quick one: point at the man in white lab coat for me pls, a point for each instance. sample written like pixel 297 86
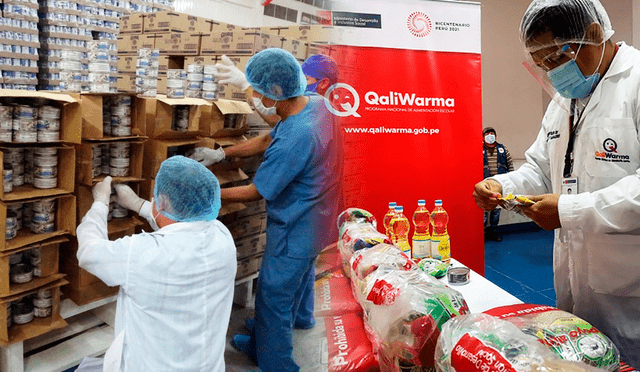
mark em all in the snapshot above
pixel 589 144
pixel 176 284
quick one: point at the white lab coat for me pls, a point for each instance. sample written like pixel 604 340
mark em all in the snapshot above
pixel 596 257
pixel 176 292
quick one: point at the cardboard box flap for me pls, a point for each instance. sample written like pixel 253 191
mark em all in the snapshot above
pixel 233 107
pixel 56 240
pixel 184 101
pixel 230 141
pixel 117 225
pixel 58 283
pixel 232 175
pixel 228 208
pixel 15 93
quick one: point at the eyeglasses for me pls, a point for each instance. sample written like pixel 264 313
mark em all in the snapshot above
pixel 552 60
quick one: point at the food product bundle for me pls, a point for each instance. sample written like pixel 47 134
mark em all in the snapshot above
pixel 568 336
pixel 357 230
pixel 481 342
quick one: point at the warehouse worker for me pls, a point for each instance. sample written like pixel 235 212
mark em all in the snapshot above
pixel 297 180
pixel 176 284
pixel 588 143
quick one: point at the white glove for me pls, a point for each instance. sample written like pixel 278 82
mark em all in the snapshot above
pixel 102 191
pixel 128 198
pixel 228 73
pixel 207 156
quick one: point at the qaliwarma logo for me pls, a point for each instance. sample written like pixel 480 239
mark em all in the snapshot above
pixel 342 100
pixel 419 24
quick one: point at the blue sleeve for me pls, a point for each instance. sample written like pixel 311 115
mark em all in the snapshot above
pixel 284 160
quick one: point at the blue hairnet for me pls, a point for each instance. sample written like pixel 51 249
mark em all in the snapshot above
pixel 276 74
pixel 319 66
pixel 186 190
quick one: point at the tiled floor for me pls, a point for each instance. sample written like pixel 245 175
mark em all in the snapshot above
pixel 522 263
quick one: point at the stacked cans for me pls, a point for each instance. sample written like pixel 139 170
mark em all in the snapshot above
pixel 41 215
pixel 24 124
pixel 116 118
pixel 176 83
pixel 112 159
pixel 180 120
pixel 147 72
pixel 195 78
pixel 22 311
pixel 48 124
pixel 43 162
pixel 210 83
pixel 42 303
pixel 99 69
pixel 6 123
pixel 19 41
pixel 70 67
pixel 115 209
pixel 13 163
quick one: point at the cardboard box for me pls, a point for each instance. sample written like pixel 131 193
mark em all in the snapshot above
pixel 246 226
pixel 126 83
pixel 89 293
pixel 250 246
pixel 38 326
pixel 238 42
pixel 178 43
pixel 92 124
pixel 129 44
pixel 158 150
pixel 296 47
pixel 158 114
pixel 219 111
pixel 164 22
pixel 253 208
pixel 70 119
pixel 248 266
pixel 132 23
pixel 239 61
pixel 201 60
pixel 84 160
pixel 127 63
pixel 309 33
pixel 65 223
pixel 66 178
pixel 162 85
pixel 49 252
pixel 221 26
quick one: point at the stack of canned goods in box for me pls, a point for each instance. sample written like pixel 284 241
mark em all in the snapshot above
pixel 210 83
pixel 116 116
pixel 70 66
pixel 180 120
pixel 176 83
pixel 39 216
pixel 35 166
pixel 29 124
pixel 115 209
pixel 112 159
pixel 25 124
pixel 147 72
pixel 99 69
pixel 23 311
pixel 48 124
pixel 195 78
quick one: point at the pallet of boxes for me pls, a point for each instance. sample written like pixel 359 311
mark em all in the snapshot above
pixel 112 145
pixel 37 207
pixel 19 43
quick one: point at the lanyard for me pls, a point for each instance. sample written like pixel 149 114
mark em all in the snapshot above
pixel 573 125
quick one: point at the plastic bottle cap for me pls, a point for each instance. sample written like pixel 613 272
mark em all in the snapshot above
pixel 421 202
pixel 392 204
pixel 399 208
pixel 438 202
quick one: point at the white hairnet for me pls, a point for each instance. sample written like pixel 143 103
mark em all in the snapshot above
pixel 567 20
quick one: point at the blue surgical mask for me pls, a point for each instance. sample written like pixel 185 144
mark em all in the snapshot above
pixel 570 82
pixel 311 88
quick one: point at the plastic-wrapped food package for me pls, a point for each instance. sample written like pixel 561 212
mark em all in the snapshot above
pixel 568 336
pixel 356 215
pixel 365 261
pixel 355 236
pixel 483 343
pixel 404 312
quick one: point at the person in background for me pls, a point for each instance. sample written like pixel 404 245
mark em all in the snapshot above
pixel 590 143
pixel 321 72
pixel 496 160
pixel 176 284
pixel 297 178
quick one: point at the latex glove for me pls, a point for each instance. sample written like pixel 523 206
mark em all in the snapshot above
pixel 207 156
pixel 486 194
pixel 102 191
pixel 228 73
pixel 128 198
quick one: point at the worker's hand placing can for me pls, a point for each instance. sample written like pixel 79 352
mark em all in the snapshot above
pixel 102 191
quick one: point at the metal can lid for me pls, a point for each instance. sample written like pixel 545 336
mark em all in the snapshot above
pixel 458 275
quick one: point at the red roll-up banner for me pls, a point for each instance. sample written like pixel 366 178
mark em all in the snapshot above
pixel 409 100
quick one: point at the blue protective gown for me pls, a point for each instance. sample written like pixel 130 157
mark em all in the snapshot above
pixel 298 180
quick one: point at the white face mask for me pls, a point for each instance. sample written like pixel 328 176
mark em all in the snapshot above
pixel 266 111
pixel 490 139
pixel 153 223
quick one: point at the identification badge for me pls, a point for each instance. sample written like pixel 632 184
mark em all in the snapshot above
pixel 569 186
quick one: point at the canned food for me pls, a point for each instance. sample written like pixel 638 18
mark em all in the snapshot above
pixel 210 70
pixel 43 217
pixel 119 162
pixel 48 124
pixel 105 169
pixel 7 180
pixel 15 258
pixel 45 172
pixel 21 273
pixel 27 125
pixel 23 317
pixel 45 161
pixel 46 151
pixel 42 206
pixel 210 95
pixel 192 76
pixel 41 228
pixel 42 312
pixel 119 172
pixel 145 53
pixel 120 212
pixel 11 233
pixel 120 149
pixel 194 85
pixel 99 67
pixel 195 68
pixel 176 74
pixel 18 180
pixel 6 112
pixel 99 87
pixel 209 78
pixel 24 137
pixel 25 112
pixel 143 62
pixel 176 83
pixel 120 131
pixel 43 293
pixel 106 129
pixel 458 275
pixel 6 136
pixel 120 121
pixel 48 136
pixel 6 124
pixel 42 301
pixel 11 220
pixel 49 112
pixel 121 110
pixel 96 171
pixel 175 92
pixel 193 93
pixel 45 183
pixel 209 87
pixel 148 92
pixel 18 168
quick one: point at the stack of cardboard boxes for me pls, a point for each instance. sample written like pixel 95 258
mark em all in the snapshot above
pixel 37 251
pixel 19 43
